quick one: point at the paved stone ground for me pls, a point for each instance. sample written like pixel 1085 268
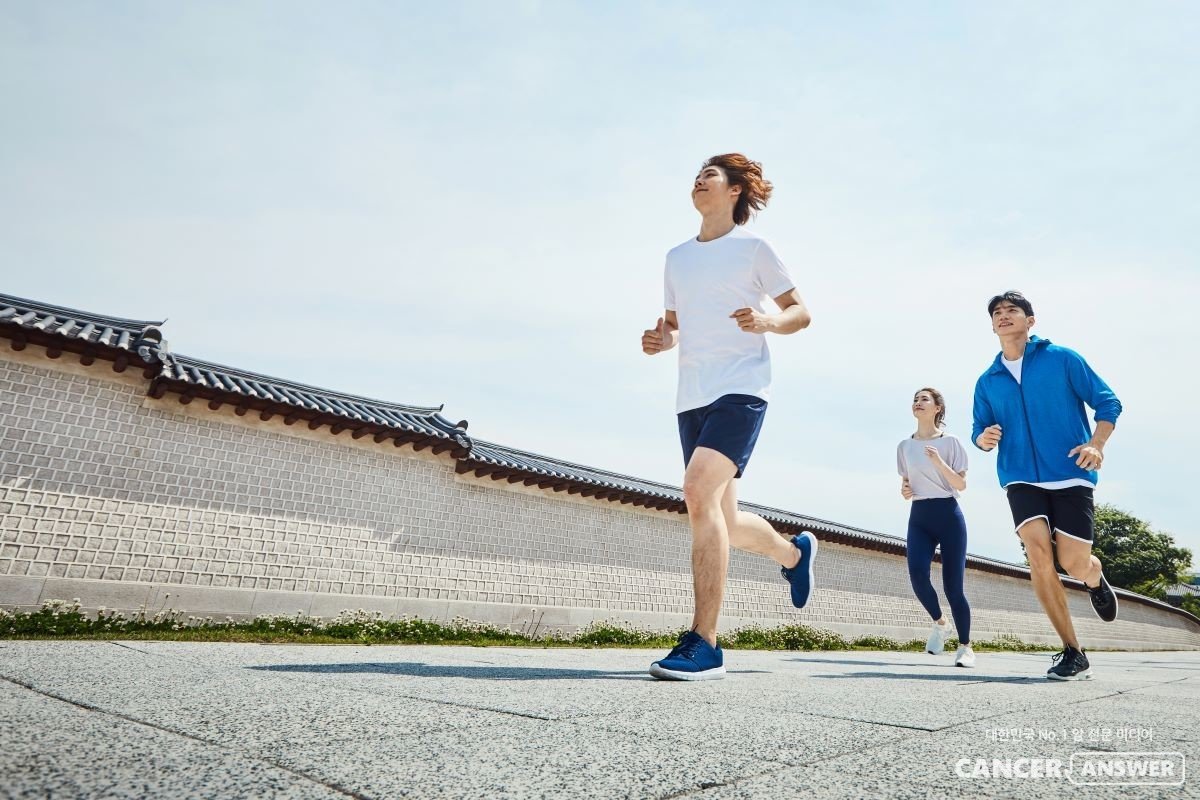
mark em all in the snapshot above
pixel 168 720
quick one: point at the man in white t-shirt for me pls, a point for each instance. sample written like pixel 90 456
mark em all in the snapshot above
pixel 715 285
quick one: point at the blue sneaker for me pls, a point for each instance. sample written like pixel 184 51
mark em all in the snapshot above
pixel 801 575
pixel 693 659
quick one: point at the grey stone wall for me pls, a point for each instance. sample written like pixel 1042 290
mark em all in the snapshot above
pixel 127 502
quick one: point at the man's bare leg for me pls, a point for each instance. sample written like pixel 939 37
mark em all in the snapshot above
pixel 1046 583
pixel 1077 559
pixel 752 533
pixel 704 483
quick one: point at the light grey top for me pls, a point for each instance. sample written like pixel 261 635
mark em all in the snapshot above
pixel 925 479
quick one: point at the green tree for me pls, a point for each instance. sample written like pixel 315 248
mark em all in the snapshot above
pixel 1136 557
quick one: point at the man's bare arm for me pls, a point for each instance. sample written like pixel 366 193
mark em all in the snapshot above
pixel 793 316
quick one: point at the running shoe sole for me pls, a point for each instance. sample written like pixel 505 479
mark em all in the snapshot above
pixel 663 674
pixel 1086 675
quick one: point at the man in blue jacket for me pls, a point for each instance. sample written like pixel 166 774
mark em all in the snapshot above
pixel 1030 404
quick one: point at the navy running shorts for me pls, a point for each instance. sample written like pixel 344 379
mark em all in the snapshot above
pixel 729 425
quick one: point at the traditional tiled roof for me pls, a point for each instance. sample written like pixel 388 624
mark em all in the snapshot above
pixel 419 426
pixel 126 341
pixel 498 461
pixel 91 336
pixel 487 459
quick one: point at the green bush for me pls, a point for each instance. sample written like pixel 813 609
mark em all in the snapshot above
pixel 57 619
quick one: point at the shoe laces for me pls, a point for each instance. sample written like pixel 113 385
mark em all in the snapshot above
pixel 686 645
pixel 1057 657
pixel 689 648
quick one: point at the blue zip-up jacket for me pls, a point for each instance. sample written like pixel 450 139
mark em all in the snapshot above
pixel 1042 418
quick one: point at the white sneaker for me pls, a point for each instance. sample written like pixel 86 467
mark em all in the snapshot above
pixel 937 638
pixel 965 657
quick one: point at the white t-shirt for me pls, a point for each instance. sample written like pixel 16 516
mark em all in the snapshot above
pixel 705 282
pixel 924 478
pixel 1014 367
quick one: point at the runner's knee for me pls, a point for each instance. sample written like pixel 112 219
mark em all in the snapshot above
pixel 700 494
pixel 1040 554
pixel 1076 565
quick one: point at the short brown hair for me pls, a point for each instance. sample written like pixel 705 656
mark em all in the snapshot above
pixel 939 419
pixel 741 171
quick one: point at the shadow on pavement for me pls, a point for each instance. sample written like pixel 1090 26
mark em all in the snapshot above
pixel 418 670
pixel 958 676
pixel 852 663
pixel 494 673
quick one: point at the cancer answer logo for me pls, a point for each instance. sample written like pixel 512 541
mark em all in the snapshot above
pixel 1127 769
pixel 1087 768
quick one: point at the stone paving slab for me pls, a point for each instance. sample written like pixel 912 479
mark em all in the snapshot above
pixel 163 719
pixel 52 749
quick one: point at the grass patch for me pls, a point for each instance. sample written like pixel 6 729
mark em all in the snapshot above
pixel 57 619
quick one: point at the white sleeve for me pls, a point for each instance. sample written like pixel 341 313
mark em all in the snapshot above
pixel 668 289
pixel 769 272
pixel 901 467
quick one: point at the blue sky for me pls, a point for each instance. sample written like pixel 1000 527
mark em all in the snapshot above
pixel 469 204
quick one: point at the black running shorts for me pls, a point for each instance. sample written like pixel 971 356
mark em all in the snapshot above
pixel 1067 511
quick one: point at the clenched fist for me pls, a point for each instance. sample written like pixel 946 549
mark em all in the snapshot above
pixel 1089 456
pixel 989 438
pixel 751 321
pixel 654 340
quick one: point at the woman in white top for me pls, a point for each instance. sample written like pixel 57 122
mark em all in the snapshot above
pixel 933 470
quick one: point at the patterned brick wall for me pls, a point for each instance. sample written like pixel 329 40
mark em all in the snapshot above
pixel 120 500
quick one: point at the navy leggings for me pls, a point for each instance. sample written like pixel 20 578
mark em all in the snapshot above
pixel 933 522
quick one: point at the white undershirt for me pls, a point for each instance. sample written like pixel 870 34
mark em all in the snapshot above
pixel 1052 485
pixel 1013 367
